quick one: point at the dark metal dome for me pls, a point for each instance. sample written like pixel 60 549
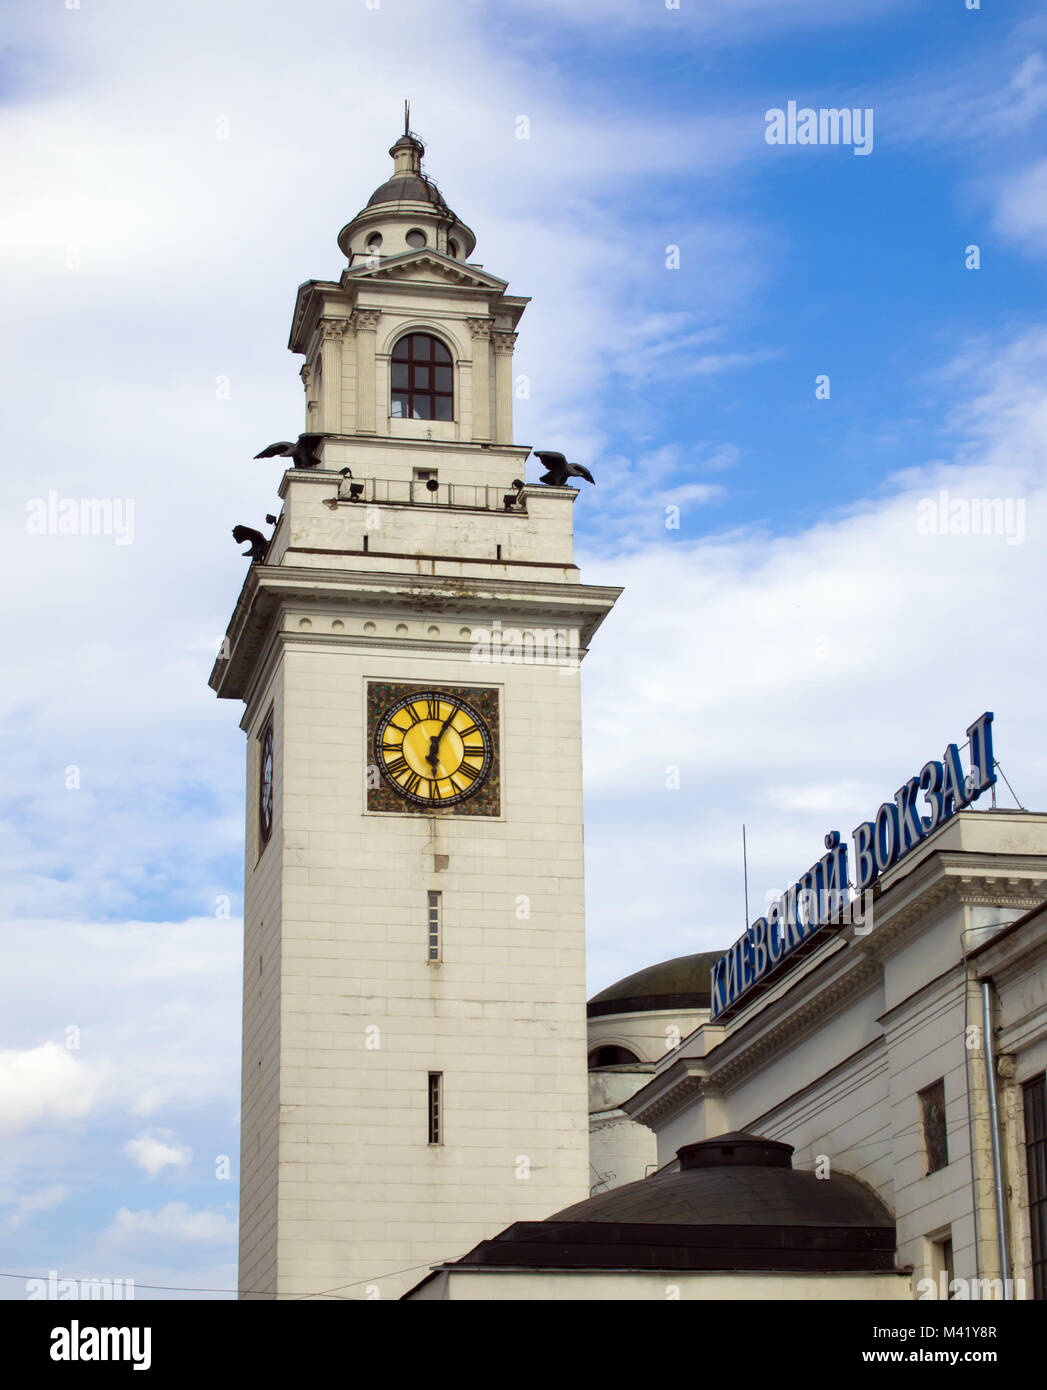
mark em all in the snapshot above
pixel 681 983
pixel 736 1203
pixel 736 1180
pixel 407 188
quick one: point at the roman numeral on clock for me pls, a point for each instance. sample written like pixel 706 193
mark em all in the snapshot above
pixel 470 774
pixel 432 709
pixel 394 769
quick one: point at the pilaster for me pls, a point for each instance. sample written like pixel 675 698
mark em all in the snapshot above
pixel 364 323
pixel 331 333
pixel 481 335
pixel 503 386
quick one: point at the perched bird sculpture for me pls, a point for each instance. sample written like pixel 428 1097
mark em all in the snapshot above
pixel 259 544
pixel 302 451
pixel 558 470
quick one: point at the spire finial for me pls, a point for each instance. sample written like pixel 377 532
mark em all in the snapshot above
pixel 407 118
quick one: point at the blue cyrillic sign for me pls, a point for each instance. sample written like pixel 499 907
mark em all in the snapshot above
pixel 817 899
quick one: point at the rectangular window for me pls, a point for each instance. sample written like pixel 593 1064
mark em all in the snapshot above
pixel 1034 1104
pixel 434 926
pixel 436 1107
pixel 935 1139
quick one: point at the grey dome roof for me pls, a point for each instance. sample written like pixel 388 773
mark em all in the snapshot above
pixel 681 983
pixel 736 1180
pixel 409 184
pixel 735 1204
pixel 406 188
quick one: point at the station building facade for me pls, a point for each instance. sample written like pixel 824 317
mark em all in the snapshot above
pixel 872 1124
pixel 909 1051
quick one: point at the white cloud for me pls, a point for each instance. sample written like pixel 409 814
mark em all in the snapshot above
pixel 750 20
pixel 135 192
pixel 796 680
pixel 156 1003
pixel 775 670
pixel 154 1151
pixel 45 1084
pixel 174 1222
pixel 1021 207
pixel 43 1199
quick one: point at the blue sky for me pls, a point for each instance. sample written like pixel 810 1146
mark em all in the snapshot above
pixel 797 647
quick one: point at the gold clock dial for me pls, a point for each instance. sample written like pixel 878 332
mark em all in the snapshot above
pixel 433 748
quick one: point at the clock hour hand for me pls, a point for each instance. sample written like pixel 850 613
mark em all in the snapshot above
pixel 434 741
pixel 433 756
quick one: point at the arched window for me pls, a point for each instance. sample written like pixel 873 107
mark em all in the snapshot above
pixel 610 1055
pixel 423 379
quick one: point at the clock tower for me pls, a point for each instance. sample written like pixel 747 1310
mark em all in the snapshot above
pixel 407 652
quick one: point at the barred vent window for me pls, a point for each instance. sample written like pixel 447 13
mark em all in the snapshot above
pixel 436 1107
pixel 434 926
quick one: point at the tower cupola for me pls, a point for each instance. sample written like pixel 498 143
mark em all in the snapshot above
pixel 406 213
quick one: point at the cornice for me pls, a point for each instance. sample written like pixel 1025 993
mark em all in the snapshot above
pixel 308 303
pixel 735 1058
pixel 798 1020
pixel 1009 955
pixel 947 877
pixel 447 268
pixel 268 589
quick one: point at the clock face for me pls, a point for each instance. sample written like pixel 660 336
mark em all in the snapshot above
pixel 433 748
pixel 265 785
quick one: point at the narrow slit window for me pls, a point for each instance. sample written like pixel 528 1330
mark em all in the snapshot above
pixel 935 1137
pixel 434 926
pixel 436 1107
pixel 1034 1097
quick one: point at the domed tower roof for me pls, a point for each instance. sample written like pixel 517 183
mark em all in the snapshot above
pixel 734 1203
pixel 406 213
pixel 407 182
pixel 680 983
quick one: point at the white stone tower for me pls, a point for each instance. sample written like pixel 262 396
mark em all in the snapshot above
pixel 414 1049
